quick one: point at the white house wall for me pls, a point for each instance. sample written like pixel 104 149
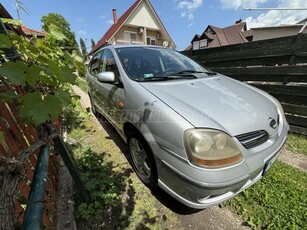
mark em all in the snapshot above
pixel 143 16
pixel 275 32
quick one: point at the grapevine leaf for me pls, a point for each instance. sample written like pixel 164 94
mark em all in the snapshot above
pixel 5 41
pixel 12 21
pixel 64 97
pixel 32 74
pixel 15 72
pixel 36 110
pixel 7 95
pixel 81 68
pixel 1 136
pixel 47 79
pixel 32 109
pixel 56 32
pixel 55 69
pixel 53 105
pixel 30 48
pixel 67 73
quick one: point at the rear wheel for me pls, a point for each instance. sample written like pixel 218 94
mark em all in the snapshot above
pixel 142 159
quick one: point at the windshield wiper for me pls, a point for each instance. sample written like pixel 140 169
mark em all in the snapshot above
pixel 192 71
pixel 165 78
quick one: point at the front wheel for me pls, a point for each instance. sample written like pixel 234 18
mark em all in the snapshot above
pixel 142 159
pixel 93 107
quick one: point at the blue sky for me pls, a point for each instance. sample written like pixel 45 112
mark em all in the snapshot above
pixel 182 18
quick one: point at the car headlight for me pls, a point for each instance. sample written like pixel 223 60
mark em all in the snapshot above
pixel 211 148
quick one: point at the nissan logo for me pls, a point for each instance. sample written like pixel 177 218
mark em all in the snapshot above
pixel 272 123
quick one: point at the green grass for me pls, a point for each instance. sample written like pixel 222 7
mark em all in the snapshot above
pixel 277 201
pixel 297 143
pixel 118 199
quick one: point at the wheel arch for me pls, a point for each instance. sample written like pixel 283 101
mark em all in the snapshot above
pixel 143 131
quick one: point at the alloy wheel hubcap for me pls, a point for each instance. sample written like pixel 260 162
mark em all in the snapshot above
pixel 139 158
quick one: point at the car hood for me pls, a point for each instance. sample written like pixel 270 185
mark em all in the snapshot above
pixel 217 102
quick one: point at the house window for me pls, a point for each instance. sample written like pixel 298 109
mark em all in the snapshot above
pixel 210 31
pixel 130 36
pixel 203 43
pixel 151 41
pixel 196 45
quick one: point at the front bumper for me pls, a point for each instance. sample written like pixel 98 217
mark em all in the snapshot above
pixel 200 190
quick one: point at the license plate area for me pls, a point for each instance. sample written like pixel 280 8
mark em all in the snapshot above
pixel 269 163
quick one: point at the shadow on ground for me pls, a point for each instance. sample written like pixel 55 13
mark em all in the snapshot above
pixel 164 198
pixel 107 209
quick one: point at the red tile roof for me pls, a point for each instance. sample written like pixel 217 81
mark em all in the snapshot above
pixel 115 27
pixel 30 32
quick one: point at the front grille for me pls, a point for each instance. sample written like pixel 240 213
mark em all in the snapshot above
pixel 253 139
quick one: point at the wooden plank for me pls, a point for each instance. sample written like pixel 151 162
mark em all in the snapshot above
pixel 23 127
pixel 295 109
pixel 299 78
pixel 265 48
pixel 9 140
pixel 3 153
pixel 210 63
pixel 47 223
pixel 297 121
pixel 291 99
pixel 24 189
pixel 283 89
pixel 255 53
pixel 252 45
pixel 266 70
pixel 13 125
pixel 299 130
pixel 260 53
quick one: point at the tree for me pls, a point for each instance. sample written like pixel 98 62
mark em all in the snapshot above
pixel 60 22
pixel 83 48
pixel 93 43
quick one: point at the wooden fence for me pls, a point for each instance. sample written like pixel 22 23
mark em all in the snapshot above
pixel 19 137
pixel 277 66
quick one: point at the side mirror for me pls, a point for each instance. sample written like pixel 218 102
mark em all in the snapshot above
pixel 106 77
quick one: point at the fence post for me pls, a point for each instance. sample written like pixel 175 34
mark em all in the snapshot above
pixel 60 147
pixel 34 210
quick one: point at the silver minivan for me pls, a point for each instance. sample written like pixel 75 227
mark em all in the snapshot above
pixel 199 135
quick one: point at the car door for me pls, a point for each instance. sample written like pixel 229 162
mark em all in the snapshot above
pixel 111 95
pixel 92 81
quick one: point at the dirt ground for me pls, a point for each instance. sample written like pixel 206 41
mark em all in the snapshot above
pixel 211 218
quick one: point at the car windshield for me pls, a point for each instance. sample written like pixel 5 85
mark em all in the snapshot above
pixel 154 63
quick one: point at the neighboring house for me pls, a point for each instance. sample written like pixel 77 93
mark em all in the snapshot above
pixel 262 33
pixel 214 36
pixel 30 33
pixel 140 24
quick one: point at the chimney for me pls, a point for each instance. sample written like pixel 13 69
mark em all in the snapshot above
pixel 114 16
pixel 239 21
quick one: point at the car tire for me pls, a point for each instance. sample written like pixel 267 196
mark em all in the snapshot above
pixel 142 159
pixel 93 107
